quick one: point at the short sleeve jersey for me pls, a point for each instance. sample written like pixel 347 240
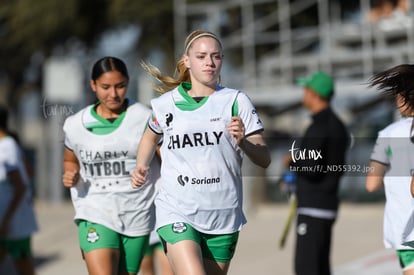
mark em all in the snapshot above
pixel 394 149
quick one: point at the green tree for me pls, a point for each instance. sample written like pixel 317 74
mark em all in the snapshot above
pixel 31 26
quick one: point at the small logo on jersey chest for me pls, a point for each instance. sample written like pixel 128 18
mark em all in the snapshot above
pixel 168 119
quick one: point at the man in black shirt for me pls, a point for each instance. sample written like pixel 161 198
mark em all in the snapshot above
pixel 317 162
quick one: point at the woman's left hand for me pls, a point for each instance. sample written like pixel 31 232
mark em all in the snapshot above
pixel 236 129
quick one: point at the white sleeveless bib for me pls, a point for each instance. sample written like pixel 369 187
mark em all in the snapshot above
pixel 201 181
pixel 104 194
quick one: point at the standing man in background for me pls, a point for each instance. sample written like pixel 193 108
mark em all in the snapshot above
pixel 323 147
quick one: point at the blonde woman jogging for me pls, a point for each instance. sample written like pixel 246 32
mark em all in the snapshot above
pixel 206 130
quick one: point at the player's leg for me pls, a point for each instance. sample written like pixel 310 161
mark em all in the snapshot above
pixel 162 260
pixel 25 266
pixel 148 262
pixel 182 246
pixel 185 258
pixel 21 252
pixel 131 253
pixel 100 248
pixel 102 261
pixel 216 268
pixel 3 251
pixel 218 251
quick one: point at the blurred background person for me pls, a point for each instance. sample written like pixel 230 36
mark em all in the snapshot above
pixel 317 191
pixel 17 214
pixel 392 161
pixel 381 9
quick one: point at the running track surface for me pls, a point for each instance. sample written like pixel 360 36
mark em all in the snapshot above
pixel 357 246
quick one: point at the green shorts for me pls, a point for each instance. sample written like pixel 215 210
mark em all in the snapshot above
pixel 152 247
pixel 95 236
pixel 17 249
pixel 406 257
pixel 219 248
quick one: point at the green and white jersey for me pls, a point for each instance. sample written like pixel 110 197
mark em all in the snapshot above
pixel 394 149
pixel 201 179
pixel 104 194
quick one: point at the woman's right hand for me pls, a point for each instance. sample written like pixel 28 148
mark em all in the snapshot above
pixel 70 178
pixel 138 176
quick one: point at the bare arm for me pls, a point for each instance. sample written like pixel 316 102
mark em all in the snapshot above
pixel 375 177
pixel 412 186
pixel 255 147
pixel 70 168
pixel 146 150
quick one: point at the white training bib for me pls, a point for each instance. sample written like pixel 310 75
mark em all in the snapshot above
pixel 104 193
pixel 201 181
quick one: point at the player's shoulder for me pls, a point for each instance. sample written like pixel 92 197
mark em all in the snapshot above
pixel 397 128
pixel 223 90
pixel 8 144
pixel 8 141
pixel 240 95
pixel 69 120
pixel 166 96
pixel 134 106
pixel 137 113
pixel 80 112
